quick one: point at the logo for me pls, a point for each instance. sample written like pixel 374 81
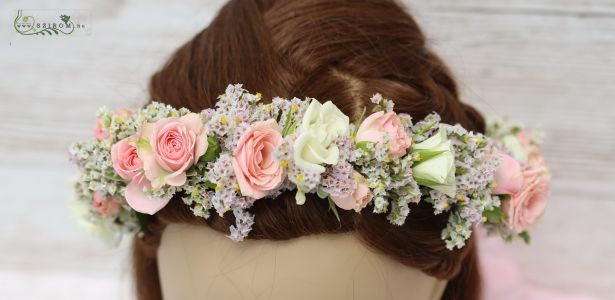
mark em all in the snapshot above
pixel 52 22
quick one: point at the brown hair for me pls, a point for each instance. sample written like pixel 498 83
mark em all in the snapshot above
pixel 343 51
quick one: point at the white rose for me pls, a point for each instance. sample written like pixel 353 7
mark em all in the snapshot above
pixel 321 125
pixel 435 167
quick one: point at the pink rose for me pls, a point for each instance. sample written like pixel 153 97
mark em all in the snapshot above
pixel 357 199
pixel 105 205
pixel 169 147
pixel 374 127
pixel 525 207
pixel 508 176
pixel 129 166
pixel 257 170
pixel 126 161
pixel 99 130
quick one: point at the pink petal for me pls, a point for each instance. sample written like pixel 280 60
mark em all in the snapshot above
pixel 193 122
pixel 369 128
pixel 346 202
pixel 153 171
pixel 246 187
pixel 201 145
pixel 508 175
pixel 176 179
pixel 140 201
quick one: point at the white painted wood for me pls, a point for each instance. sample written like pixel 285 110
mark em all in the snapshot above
pixel 548 61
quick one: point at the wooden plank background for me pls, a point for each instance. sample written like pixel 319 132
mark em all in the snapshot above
pixel 548 61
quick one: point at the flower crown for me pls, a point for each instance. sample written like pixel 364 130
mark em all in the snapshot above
pixel 243 150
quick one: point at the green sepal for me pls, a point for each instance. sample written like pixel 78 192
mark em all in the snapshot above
pixel 143 144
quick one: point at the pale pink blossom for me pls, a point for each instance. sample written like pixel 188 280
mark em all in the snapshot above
pixel 169 147
pixel 105 205
pixel 99 130
pixel 524 208
pixel 377 125
pixel 256 169
pixel 126 161
pixel 358 198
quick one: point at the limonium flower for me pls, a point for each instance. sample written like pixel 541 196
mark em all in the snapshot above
pixel 223 159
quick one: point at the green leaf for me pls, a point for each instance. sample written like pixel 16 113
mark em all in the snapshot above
pixel 292 128
pixel 210 184
pixel 213 150
pixel 496 215
pixel 525 236
pixel 334 209
pixel 143 218
pixel 515 130
pixel 321 193
pixel 287 125
pixel 359 121
pixel 107 120
pixel 398 176
pixel 363 145
pixel 424 129
pixel 509 238
pixel 461 171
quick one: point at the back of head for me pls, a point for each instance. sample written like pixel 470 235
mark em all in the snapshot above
pixel 343 51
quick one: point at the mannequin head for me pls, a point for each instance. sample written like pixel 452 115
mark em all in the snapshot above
pixel 343 51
